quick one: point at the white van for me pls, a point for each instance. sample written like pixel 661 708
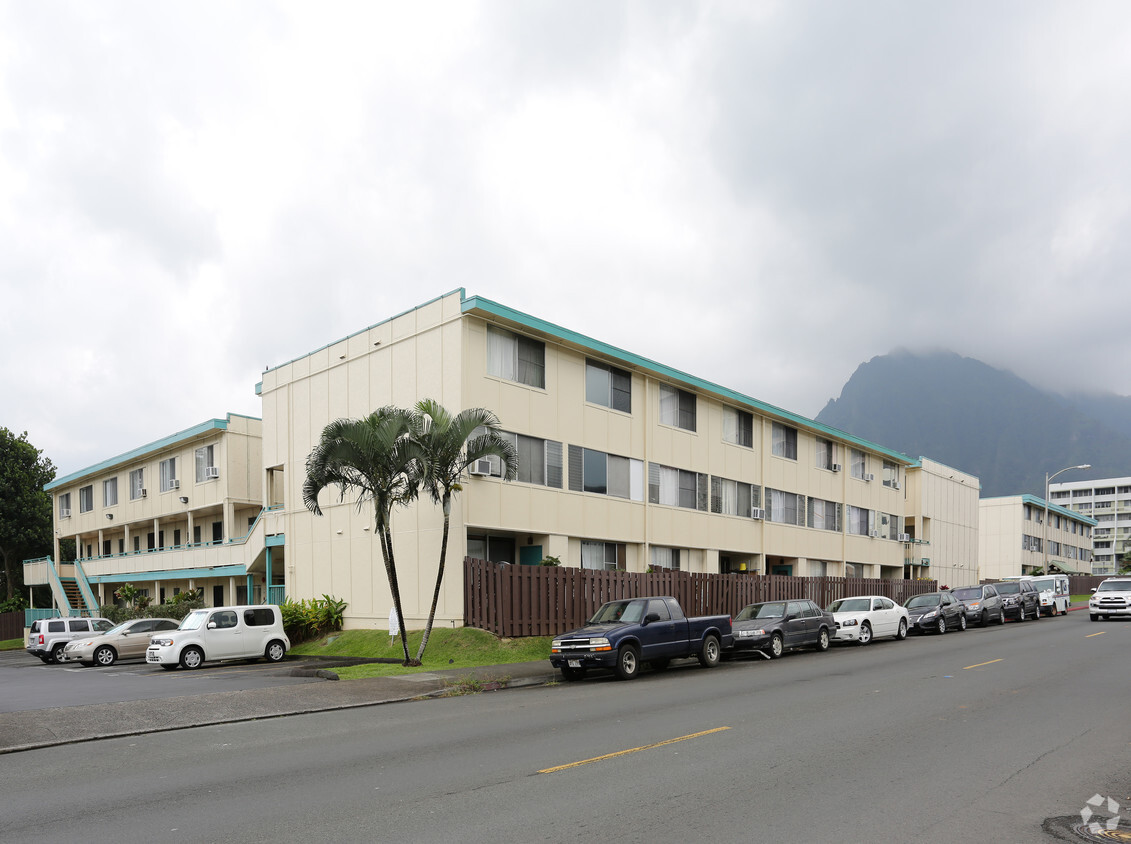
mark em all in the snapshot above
pixel 1053 589
pixel 213 633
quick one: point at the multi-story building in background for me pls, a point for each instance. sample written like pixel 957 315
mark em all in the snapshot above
pixel 942 524
pixel 1108 501
pixel 1012 537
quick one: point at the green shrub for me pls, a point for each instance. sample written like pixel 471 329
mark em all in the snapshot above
pixel 312 617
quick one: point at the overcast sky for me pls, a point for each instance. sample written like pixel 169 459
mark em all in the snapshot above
pixel 764 195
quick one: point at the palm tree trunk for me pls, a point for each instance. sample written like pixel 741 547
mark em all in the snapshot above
pixel 439 578
pixel 394 586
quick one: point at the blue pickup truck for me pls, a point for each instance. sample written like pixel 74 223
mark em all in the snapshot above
pixel 622 635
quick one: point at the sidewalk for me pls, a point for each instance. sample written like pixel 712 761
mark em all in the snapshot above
pixel 37 728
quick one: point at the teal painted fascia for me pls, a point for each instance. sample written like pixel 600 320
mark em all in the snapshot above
pixel 171 574
pixel 459 290
pixel 485 307
pixel 1056 508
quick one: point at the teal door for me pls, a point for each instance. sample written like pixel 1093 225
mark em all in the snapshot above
pixel 530 555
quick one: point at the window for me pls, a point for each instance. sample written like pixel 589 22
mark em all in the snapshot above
pixel 539 461
pixel 110 492
pixel 168 474
pixel 891 475
pixel 738 427
pixel 65 505
pixel 608 386
pixel 665 558
pixel 787 508
pixel 890 526
pixel 734 498
pixel 605 474
pixel 784 441
pixel 677 408
pixel 677 487
pixel 859 462
pixel 223 619
pixel 860 521
pixel 826 453
pixel 86 499
pixel 204 461
pixel 217 533
pixel 516 358
pixel 137 484
pixel 824 515
pixel 603 556
pixel 259 617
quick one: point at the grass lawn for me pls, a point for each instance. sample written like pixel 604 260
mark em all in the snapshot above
pixel 1079 599
pixel 463 647
pixel 18 645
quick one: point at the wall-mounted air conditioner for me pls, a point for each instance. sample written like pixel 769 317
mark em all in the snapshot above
pixel 895 484
pixel 904 537
pixel 757 513
pixel 64 513
pixel 874 534
pixel 480 468
pixel 835 467
pixel 174 484
pixel 144 493
pixel 212 472
pixel 869 477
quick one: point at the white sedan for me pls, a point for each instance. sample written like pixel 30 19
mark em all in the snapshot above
pixel 864 617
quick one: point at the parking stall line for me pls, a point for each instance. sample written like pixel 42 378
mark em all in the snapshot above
pixel 980 664
pixel 630 750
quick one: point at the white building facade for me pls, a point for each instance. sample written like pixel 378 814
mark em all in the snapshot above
pixel 1013 536
pixel 1108 501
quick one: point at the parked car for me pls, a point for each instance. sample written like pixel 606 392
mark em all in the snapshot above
pixel 864 617
pixel 983 604
pixel 937 611
pixel 623 634
pixel 1053 591
pixel 128 640
pixel 1112 597
pixel 49 636
pixel 773 626
pixel 1019 599
pixel 215 633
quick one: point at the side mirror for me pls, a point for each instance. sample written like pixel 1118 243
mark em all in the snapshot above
pixel 212 625
pixel 1093 591
pixel 652 616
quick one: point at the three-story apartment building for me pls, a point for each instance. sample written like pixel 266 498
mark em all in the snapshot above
pixel 1108 501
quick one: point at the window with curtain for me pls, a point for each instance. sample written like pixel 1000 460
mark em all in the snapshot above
pixel 203 460
pixel 678 487
pixel 137 483
pixel 733 498
pixel 603 556
pixel 891 474
pixel 784 441
pixel 859 462
pixel 677 408
pixel 826 453
pixel 109 492
pixel 539 460
pixel 608 386
pixel 787 508
pixel 859 520
pixel 665 558
pixel 168 473
pixel 824 515
pixel 738 427
pixel 86 499
pixel 516 358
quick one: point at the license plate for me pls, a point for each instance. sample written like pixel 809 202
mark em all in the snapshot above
pixel 151 657
pixel 574 663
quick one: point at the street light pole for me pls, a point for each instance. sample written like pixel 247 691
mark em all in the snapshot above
pixel 1045 540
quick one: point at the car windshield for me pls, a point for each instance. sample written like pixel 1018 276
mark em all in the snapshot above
pixel 614 612
pixel 851 605
pixel 1115 586
pixel 923 601
pixel 774 610
pixel 968 594
pixel 1008 587
pixel 193 620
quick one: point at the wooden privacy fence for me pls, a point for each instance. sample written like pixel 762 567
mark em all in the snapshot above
pixel 11 625
pixel 510 600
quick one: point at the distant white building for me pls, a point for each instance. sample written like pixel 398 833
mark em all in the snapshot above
pixel 1108 501
pixel 1012 534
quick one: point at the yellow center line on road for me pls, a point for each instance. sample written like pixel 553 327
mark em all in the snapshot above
pixel 980 664
pixel 1090 635
pixel 631 750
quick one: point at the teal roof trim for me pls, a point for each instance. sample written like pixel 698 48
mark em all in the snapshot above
pixel 1035 501
pixel 477 304
pixel 173 439
pixel 171 574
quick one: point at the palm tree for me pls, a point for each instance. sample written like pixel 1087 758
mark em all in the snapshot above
pixel 373 457
pixel 445 446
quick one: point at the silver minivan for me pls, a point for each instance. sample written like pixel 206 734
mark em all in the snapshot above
pixel 216 633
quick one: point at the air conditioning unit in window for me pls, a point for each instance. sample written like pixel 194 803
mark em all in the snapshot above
pixel 481 468
pixel 174 484
pixel 835 467
pixel 874 534
pixel 64 513
pixel 895 484
pixel 904 537
pixel 869 477
pixel 144 493
pixel 757 513
pixel 212 472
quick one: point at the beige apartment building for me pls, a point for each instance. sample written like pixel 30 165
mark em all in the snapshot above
pixel 185 512
pixel 1012 537
pixel 624 463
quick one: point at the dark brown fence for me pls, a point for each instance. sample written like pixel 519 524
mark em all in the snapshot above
pixel 510 600
pixel 11 625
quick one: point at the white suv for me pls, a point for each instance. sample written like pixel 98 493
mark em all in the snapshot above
pixel 49 636
pixel 1113 597
pixel 216 633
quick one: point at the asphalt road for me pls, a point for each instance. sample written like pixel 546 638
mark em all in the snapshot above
pixel 975 736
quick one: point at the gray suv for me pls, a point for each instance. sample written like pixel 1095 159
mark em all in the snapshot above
pixel 49 636
pixel 983 604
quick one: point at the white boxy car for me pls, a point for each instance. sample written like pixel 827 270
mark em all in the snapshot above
pixel 216 633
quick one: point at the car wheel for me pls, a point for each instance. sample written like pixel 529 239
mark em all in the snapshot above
pixel 660 664
pixel 941 626
pixel 571 674
pixel 822 640
pixel 192 657
pixel 105 656
pixel 777 646
pixel 1094 617
pixel 57 654
pixel 1021 613
pixel 1001 616
pixel 275 652
pixel 984 620
pixel 901 631
pixel 628 662
pixel 1037 613
pixel 961 621
pixel 710 652
pixel 865 633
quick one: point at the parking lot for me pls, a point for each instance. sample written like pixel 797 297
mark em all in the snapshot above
pixel 29 684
